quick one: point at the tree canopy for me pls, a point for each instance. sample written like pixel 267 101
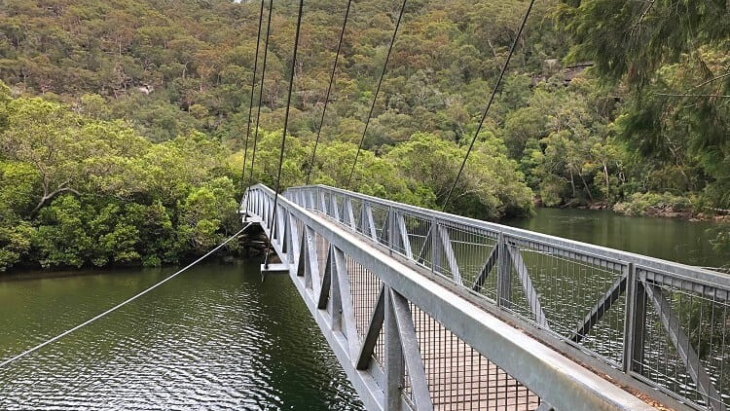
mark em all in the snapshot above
pixel 122 124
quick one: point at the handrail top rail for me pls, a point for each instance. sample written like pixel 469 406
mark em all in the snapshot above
pixel 678 270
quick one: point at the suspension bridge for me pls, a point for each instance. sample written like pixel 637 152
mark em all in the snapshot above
pixel 430 311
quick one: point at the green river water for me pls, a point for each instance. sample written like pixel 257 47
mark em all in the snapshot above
pixel 217 337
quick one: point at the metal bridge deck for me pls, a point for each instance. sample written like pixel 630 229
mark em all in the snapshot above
pixel 420 308
pixel 459 377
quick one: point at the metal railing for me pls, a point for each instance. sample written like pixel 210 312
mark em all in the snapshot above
pixel 662 323
pixel 406 341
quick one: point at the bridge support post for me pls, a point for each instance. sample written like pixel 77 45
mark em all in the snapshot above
pixel 390 222
pixel 504 277
pixel 435 250
pixel 394 364
pixel 635 323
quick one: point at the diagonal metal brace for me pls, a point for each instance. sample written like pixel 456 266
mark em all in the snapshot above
pixel 486 269
pixel 324 291
pixel 426 248
pixel 368 223
pixel 349 217
pixel 597 312
pixel 403 235
pixel 527 287
pixel 343 307
pixel 371 337
pixel 411 352
pixel 450 256
pixel 684 348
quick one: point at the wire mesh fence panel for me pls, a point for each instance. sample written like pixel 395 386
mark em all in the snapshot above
pixel 459 378
pixel 357 210
pixel 685 342
pixel 322 247
pixel 331 206
pixel 576 296
pixel 341 210
pixel 487 288
pixel 470 249
pixel 364 288
pixel 380 222
pixel 322 197
pixel 417 236
pixel 441 250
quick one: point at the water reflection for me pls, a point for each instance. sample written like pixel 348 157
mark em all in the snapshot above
pixel 215 338
pixel 670 239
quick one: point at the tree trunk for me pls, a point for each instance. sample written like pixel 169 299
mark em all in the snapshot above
pixel 572 181
pixel 50 196
pixel 588 190
pixel 608 181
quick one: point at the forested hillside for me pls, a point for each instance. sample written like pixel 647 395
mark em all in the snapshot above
pixel 123 123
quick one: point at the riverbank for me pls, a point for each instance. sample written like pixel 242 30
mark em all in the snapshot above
pixel 251 246
pixel 665 205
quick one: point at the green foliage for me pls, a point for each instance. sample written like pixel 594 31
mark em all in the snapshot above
pixel 206 210
pixel 672 56
pixel 121 131
pixel 567 146
pixel 641 204
pixel 14 243
pixel 489 188
pixel 76 191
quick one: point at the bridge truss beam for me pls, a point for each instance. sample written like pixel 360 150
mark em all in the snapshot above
pixel 660 327
pixel 388 324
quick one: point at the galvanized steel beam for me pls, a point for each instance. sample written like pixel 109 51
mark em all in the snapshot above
pixel 530 293
pixel 341 288
pixel 394 365
pixel 411 352
pixel 486 269
pixel 598 310
pixel 556 379
pixel 450 257
pixel 405 241
pixel 681 342
pixel 371 335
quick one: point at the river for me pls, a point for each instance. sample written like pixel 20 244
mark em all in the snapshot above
pixel 687 242
pixel 217 337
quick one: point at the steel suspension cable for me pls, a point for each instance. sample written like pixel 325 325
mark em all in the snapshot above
pixel 329 89
pixel 377 91
pixel 491 100
pixel 120 305
pixel 286 123
pixel 253 87
pixel 261 90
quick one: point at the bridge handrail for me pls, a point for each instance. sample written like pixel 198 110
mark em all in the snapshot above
pixel 679 270
pixel 322 257
pixel 656 300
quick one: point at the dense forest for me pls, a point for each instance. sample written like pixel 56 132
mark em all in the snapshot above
pixel 123 123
